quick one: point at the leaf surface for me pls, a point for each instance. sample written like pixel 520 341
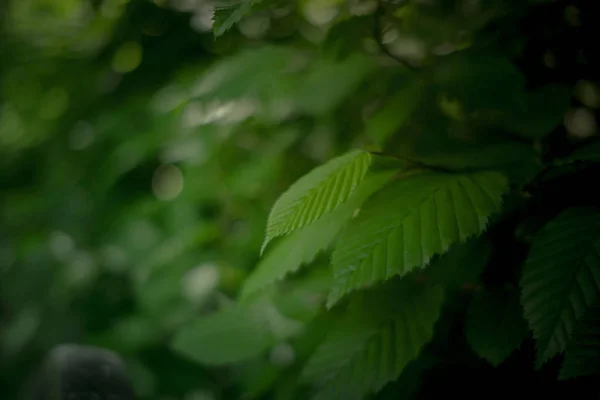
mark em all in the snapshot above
pixel 317 193
pixel 405 225
pixel 561 278
pixel 373 343
pixel 301 247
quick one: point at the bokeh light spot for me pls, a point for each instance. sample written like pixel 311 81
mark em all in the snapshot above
pixel 127 58
pixel 167 182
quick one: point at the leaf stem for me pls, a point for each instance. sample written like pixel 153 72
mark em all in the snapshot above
pixel 378 35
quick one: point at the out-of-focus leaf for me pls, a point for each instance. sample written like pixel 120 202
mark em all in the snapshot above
pixel 462 264
pixel 545 110
pixel 327 83
pixel 482 82
pixel 394 112
pixel 234 334
pixel 495 326
pixel 591 152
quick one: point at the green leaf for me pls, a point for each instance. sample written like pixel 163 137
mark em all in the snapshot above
pixel 380 334
pixel 495 326
pixel 561 278
pixel 462 264
pixel 394 113
pixel 583 352
pixel 317 193
pixel 228 79
pixel 545 110
pixel 327 83
pixel 302 299
pixel 215 339
pixel 302 246
pixel 405 225
pixel 590 152
pixel 481 81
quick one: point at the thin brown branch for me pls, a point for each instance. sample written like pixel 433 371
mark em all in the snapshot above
pixel 378 35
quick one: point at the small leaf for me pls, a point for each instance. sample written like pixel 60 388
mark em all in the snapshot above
pixel 302 246
pixel 317 193
pixel 215 339
pixel 379 335
pixel 405 225
pixel 495 326
pixel 583 352
pixel 561 278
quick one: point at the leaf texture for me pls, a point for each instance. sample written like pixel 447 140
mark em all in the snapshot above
pixel 583 352
pixel 405 225
pixel 561 278
pixel 215 339
pixel 376 340
pixel 495 327
pixel 302 246
pixel 317 193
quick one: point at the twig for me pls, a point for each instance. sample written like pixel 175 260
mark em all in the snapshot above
pixel 378 35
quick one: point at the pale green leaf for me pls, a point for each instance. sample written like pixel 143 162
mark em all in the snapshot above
pixel 561 278
pixel 215 339
pixel 583 352
pixel 405 225
pixel 373 343
pixel 317 193
pixel 495 326
pixel 327 83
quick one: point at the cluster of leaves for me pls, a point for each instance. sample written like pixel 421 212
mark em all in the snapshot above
pixel 406 227
pixel 429 176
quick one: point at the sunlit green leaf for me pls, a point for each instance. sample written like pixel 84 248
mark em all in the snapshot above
pixel 405 225
pixel 317 193
pixel 301 247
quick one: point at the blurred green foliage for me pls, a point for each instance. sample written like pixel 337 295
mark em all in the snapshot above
pixel 148 149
